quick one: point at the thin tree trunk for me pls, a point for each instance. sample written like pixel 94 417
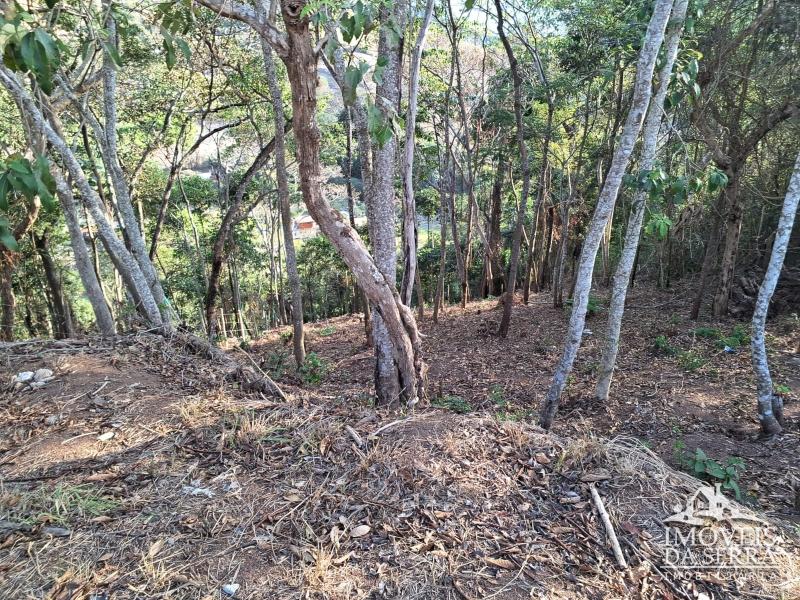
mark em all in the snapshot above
pixel 492 268
pixel 83 261
pixel 542 188
pixel 730 246
pixel 622 275
pixel 108 145
pixel 298 334
pixel 516 243
pixel 770 406
pixel 62 321
pixel 605 204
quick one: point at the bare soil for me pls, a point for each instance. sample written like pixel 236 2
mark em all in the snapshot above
pixel 202 485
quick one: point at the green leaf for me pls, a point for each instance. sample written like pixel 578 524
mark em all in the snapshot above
pixel 352 77
pixel 5 189
pixel 7 239
pixel 45 184
pixel 112 53
pixel 380 128
pixel 714 469
pixel 380 67
pixel 184 48
pixel 169 48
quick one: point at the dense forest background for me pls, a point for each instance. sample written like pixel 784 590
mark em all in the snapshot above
pixel 157 172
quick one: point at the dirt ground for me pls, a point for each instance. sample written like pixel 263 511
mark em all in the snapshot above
pixel 139 472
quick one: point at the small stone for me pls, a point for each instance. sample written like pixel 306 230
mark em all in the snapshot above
pixel 57 531
pixel 37 384
pixel 52 420
pixel 104 437
pixel 24 377
pixel 230 589
pixel 43 375
pixel 198 491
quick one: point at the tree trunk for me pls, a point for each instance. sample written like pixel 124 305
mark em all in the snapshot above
pixel 7 298
pixel 62 319
pixel 542 187
pixel 516 244
pixel 298 333
pixel 647 162
pixel 730 246
pixel 492 268
pixel 381 202
pixel 301 65
pixel 605 204
pixel 409 206
pixel 83 261
pixel 770 406
pixel 107 138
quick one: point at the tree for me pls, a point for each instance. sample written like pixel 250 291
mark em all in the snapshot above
pixel 516 244
pixel 622 275
pixel 605 204
pixel 298 334
pixel 298 52
pixel 770 405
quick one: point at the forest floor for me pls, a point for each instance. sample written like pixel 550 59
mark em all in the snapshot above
pixel 139 472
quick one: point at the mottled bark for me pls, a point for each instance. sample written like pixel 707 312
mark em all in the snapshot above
pixel 647 162
pixel 770 406
pixel 107 137
pixel 381 199
pixel 605 204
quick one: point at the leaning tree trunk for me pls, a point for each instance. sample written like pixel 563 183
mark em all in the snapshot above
pixel 298 334
pixel 127 265
pixel 516 244
pixel 301 65
pixel 770 406
pixel 605 204
pixel 108 149
pixel 648 158
pixel 83 261
pixel 409 206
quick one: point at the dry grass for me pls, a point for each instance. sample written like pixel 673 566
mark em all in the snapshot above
pixel 206 486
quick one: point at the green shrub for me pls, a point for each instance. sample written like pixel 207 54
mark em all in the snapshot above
pixel 708 469
pixel 739 337
pixel 690 360
pixel 711 333
pixel 455 404
pixel 313 369
pixel 662 345
pixel 327 330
